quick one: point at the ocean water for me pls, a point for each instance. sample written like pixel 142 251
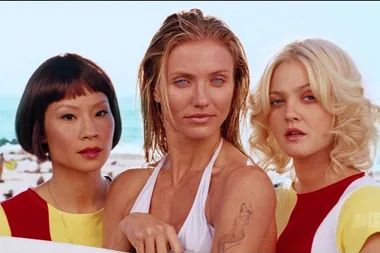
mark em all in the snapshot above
pixel 132 135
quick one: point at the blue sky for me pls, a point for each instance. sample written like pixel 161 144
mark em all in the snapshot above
pixel 116 34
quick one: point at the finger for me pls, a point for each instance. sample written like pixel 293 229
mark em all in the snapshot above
pixel 161 243
pixel 139 246
pixel 137 240
pixel 174 242
pixel 149 245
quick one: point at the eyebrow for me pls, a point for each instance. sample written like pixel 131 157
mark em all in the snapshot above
pixel 220 71
pixel 76 107
pixel 189 75
pixel 297 89
pixel 182 74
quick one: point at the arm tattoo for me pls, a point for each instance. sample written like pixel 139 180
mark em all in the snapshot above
pixel 236 235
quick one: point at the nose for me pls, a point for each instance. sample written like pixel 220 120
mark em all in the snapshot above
pixel 292 114
pixel 89 128
pixel 201 95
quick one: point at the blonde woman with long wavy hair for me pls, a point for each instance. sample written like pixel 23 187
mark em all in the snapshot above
pixel 309 115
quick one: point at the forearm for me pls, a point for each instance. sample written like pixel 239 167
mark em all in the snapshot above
pixel 114 239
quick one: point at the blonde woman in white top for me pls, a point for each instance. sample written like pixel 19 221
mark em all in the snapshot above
pixel 202 196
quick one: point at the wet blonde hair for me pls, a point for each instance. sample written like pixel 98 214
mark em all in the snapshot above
pixel 337 85
pixel 177 29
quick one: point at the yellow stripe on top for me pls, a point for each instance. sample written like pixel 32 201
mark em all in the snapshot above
pixel 84 229
pixel 286 201
pixel 4 225
pixel 359 219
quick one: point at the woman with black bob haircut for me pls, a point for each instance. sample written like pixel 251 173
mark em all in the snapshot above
pixel 68 114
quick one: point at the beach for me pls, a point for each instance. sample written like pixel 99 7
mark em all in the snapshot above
pixel 22 176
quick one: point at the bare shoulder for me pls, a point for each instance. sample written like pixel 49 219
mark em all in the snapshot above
pixel 131 180
pixel 131 177
pixel 249 177
pixel 236 173
pixel 126 186
pixel 239 183
pixel 237 170
pixel 243 192
pixel 121 196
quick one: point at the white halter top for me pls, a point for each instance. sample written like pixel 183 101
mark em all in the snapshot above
pixel 196 234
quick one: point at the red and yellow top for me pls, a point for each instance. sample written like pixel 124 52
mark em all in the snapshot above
pixel 27 215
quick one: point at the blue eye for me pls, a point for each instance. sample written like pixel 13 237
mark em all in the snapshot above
pixel 218 81
pixel 67 117
pixel 276 101
pixel 181 82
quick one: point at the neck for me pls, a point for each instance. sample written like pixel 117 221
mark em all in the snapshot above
pixel 77 192
pixel 311 173
pixel 314 172
pixel 190 155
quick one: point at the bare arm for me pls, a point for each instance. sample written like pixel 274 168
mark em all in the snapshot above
pixel 117 206
pixel 137 231
pixel 245 213
pixel 372 245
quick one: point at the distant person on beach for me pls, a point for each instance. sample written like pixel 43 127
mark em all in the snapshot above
pixel 8 194
pixel 68 115
pixel 309 109
pixel 205 194
pixel 2 161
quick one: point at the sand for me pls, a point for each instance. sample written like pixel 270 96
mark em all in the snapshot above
pixel 19 179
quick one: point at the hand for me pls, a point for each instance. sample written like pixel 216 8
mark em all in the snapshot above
pixel 147 234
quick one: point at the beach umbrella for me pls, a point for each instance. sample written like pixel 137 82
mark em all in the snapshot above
pixel 10 164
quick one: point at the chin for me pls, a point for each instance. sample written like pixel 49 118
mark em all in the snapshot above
pixel 297 154
pixel 91 165
pixel 199 133
pixel 90 168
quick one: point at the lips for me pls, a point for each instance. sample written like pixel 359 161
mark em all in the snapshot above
pixel 199 115
pixel 90 152
pixel 199 118
pixel 294 134
pixel 294 131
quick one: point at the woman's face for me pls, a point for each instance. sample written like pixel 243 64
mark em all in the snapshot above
pixel 200 86
pixel 299 122
pixel 79 132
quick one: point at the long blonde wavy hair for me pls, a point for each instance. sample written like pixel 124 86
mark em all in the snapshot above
pixel 337 85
